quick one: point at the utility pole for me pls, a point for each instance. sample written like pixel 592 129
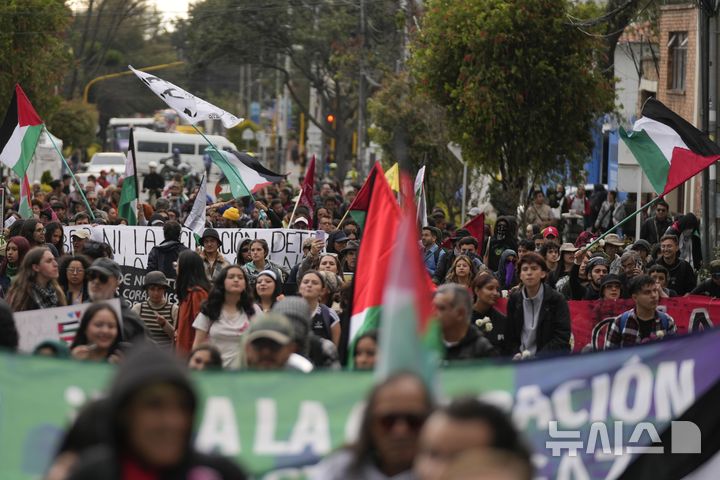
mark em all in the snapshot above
pixel 361 167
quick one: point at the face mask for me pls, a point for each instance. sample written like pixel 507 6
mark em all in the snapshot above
pixel 501 231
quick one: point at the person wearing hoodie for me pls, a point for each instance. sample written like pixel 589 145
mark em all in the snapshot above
pixel 689 246
pixel 504 239
pixel 151 408
pixel 164 256
pixel 506 273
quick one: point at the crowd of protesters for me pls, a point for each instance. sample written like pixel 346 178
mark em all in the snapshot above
pixel 249 312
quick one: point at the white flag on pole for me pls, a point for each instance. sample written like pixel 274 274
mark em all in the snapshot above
pixel 196 220
pixel 193 109
pixel 420 197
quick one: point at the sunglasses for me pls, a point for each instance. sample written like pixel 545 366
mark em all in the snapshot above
pixel 413 421
pixel 92 275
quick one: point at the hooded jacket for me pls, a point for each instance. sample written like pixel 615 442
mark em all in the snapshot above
pixel 498 245
pixel 502 272
pixel 163 256
pixel 143 367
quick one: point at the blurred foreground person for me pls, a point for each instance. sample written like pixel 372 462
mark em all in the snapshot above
pixel 467 425
pixel 387 442
pixel 151 409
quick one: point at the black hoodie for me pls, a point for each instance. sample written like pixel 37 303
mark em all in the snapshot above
pixel 144 366
pixel 163 256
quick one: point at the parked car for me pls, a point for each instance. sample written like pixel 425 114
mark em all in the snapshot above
pixel 103 161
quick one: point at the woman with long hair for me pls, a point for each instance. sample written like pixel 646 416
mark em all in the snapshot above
pixel 73 280
pixel 15 251
pixel 325 322
pixel 259 251
pixel 192 288
pixel 462 271
pixel 226 314
pixel 34 233
pixel 484 315
pixel 36 285
pixel 99 335
pixel 54 236
pixel 329 262
pixel 267 290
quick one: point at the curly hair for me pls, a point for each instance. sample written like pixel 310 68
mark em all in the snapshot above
pixel 65 263
pixel 212 307
pixel 452 275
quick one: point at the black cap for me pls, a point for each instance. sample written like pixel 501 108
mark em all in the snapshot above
pixel 608 279
pixel 460 233
pixel 106 266
pixel 210 233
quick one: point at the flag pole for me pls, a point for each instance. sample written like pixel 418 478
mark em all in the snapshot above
pixel 623 221
pixel 297 202
pixel 77 185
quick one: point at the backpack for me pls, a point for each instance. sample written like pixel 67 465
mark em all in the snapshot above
pixel 663 320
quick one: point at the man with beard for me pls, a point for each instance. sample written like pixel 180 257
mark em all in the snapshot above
pixel 595 269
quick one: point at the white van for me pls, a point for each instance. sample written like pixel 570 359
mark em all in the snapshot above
pixel 155 146
pixel 46 158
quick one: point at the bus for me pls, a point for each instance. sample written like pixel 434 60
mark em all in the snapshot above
pixel 119 131
pixel 157 146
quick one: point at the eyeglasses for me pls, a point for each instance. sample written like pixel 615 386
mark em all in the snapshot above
pixel 413 421
pixel 75 270
pixel 93 275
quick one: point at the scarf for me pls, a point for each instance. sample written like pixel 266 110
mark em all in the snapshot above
pixel 685 245
pixel 11 271
pixel 44 297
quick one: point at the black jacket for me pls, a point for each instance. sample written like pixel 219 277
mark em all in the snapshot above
pixel 163 256
pixel 144 367
pixel 553 331
pixel 473 345
pixel 497 334
pixel 577 290
pixel 708 287
pixel 652 229
pixel 682 276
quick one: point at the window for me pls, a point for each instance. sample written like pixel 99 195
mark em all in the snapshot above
pixel 677 60
pixel 186 148
pixel 201 149
pixel 152 147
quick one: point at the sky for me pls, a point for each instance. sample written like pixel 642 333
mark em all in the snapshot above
pixel 172 8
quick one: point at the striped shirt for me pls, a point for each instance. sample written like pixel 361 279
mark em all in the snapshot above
pixel 149 314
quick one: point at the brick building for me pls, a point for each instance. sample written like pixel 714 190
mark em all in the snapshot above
pixel 679 82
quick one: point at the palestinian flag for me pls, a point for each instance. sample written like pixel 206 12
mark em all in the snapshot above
pixel 373 262
pixel 358 209
pixel 668 148
pixel 410 339
pixel 476 227
pixel 244 173
pixel 127 207
pixel 19 133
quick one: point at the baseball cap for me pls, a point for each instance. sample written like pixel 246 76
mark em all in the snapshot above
pixel 608 279
pixel 474 212
pixel 84 234
pixel 271 326
pixel 107 267
pixel 548 231
pixel 301 220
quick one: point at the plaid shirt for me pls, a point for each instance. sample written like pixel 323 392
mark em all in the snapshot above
pixel 630 335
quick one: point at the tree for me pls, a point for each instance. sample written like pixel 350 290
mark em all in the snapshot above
pixel 32 51
pixel 399 104
pixel 75 122
pixel 518 83
pixel 315 44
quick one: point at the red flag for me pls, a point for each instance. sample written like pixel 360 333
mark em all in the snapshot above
pixel 308 189
pixel 476 227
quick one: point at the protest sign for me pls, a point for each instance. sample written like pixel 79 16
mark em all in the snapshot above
pixel 283 422
pixel 691 313
pixel 131 245
pixel 60 323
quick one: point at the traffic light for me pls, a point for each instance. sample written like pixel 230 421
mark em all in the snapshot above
pixel 330 118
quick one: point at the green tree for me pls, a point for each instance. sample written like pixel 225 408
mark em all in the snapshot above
pixel 520 85
pixel 399 104
pixel 75 122
pixel 32 52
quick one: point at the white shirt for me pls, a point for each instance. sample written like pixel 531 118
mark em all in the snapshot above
pixel 225 333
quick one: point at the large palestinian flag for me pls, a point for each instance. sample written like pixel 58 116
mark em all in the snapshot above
pixel 668 148
pixel 374 257
pixel 359 207
pixel 19 133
